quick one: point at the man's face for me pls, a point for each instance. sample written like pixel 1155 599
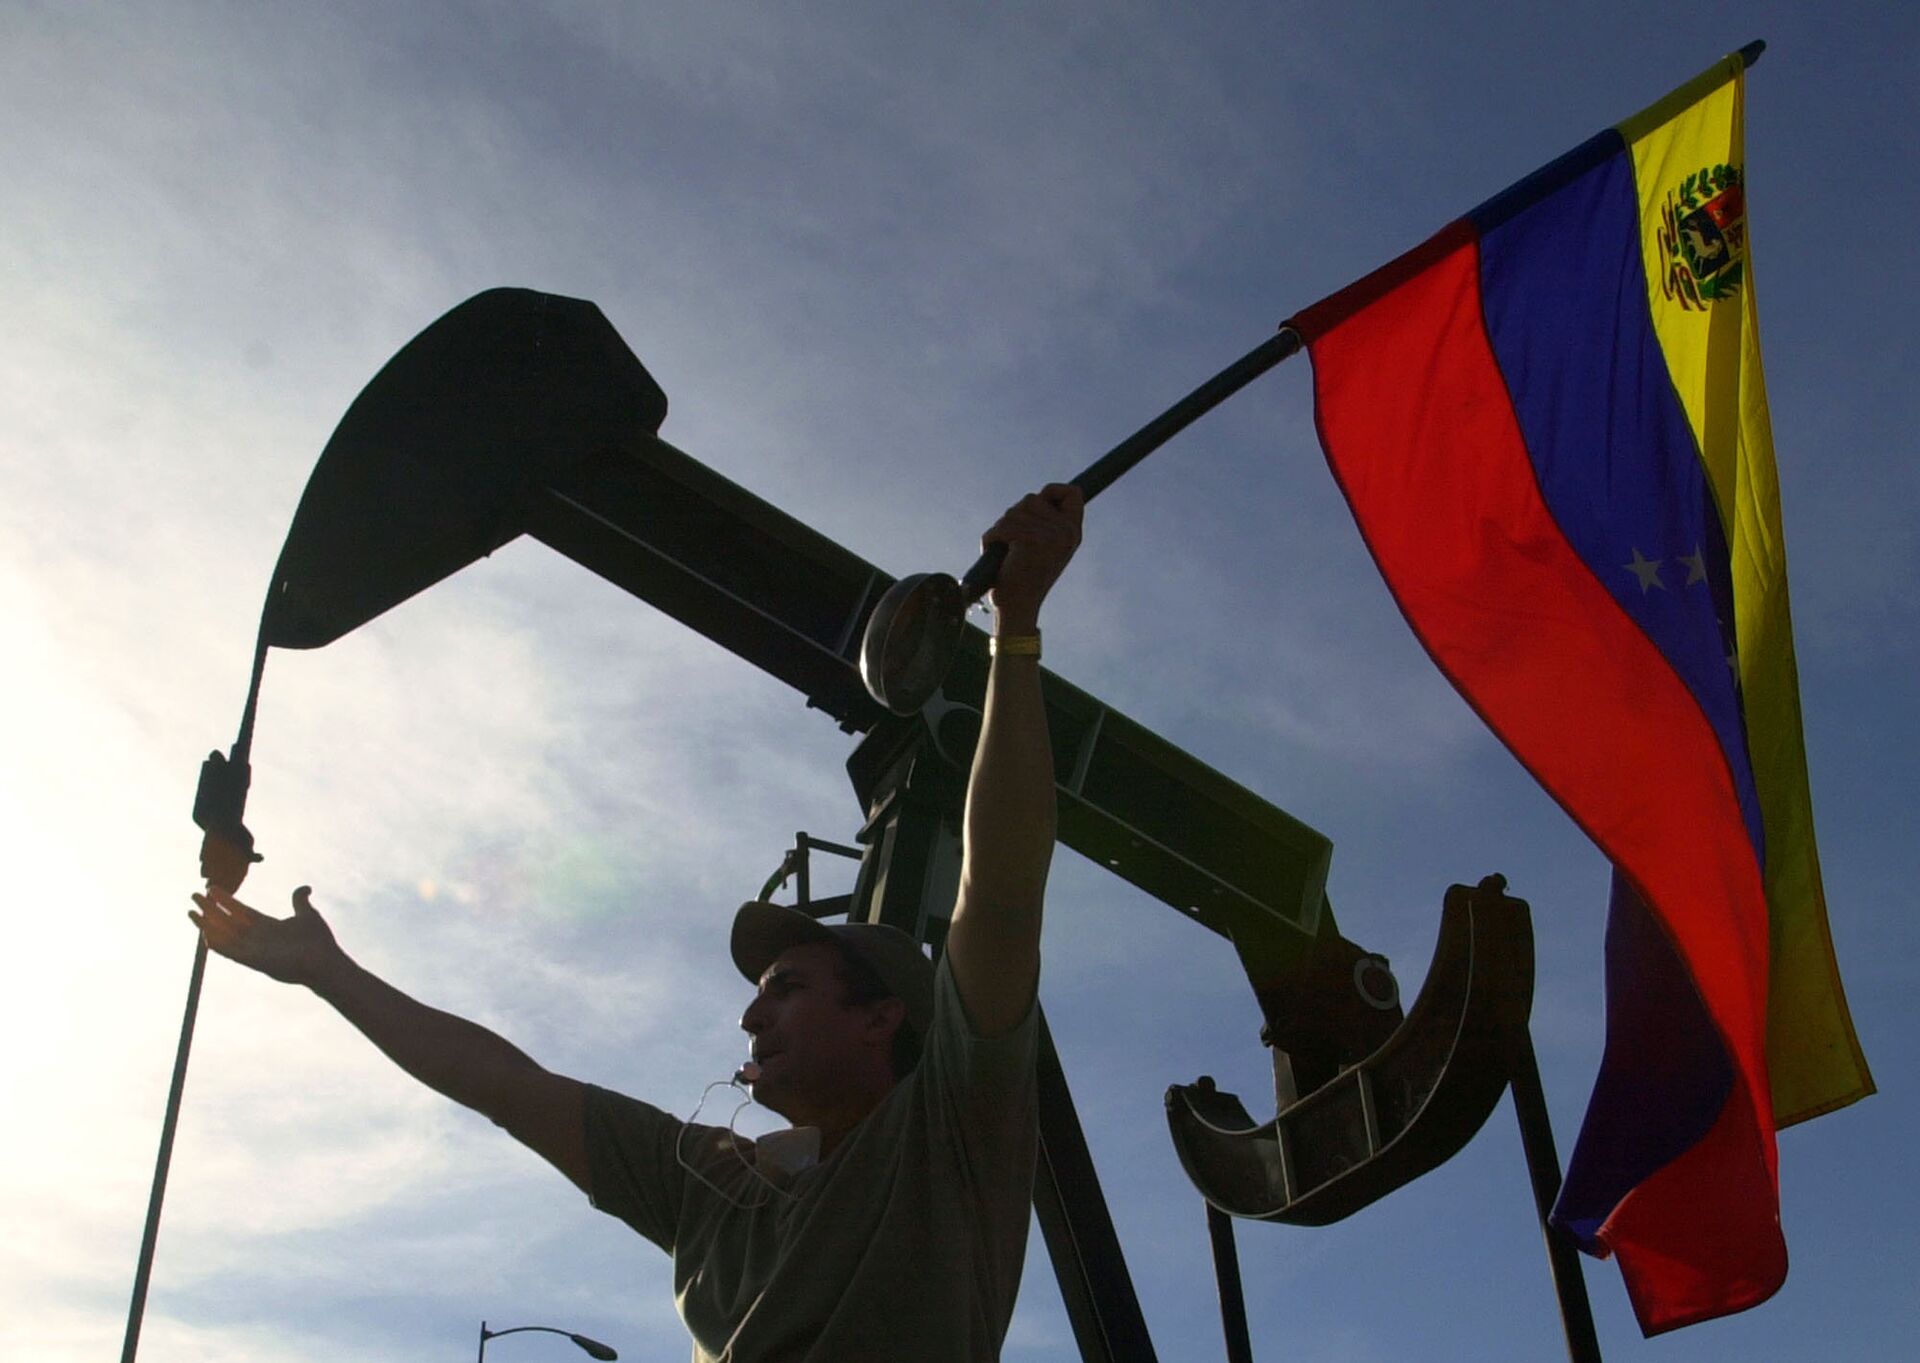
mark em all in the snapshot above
pixel 817 1053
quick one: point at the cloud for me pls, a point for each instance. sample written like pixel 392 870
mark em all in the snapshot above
pixel 894 267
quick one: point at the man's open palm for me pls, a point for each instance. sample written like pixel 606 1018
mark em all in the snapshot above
pixel 294 950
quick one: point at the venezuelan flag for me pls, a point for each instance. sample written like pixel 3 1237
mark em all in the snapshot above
pixel 1550 425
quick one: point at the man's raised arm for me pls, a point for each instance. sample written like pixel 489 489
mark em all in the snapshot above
pixel 450 1055
pixel 993 946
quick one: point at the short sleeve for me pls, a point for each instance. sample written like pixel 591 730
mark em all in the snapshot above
pixel 982 1073
pixel 631 1168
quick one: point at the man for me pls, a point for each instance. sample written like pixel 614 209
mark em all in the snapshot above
pixel 891 1223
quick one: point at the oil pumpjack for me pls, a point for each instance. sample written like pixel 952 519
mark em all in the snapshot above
pixel 524 413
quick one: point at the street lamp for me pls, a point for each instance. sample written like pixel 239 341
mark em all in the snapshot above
pixel 592 1346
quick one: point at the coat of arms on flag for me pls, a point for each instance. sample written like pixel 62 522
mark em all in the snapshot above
pixel 1703 236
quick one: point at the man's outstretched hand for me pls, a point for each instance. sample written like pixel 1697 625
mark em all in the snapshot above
pixel 450 1055
pixel 296 950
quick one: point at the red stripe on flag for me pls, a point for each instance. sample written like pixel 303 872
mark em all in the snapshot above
pixel 1695 1241
pixel 1419 429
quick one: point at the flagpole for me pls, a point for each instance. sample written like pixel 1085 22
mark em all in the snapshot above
pixel 136 1310
pixel 219 804
pixel 1096 477
pixel 1216 390
pixel 1543 1169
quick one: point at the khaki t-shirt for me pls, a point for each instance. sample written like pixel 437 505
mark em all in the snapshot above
pixel 905 1244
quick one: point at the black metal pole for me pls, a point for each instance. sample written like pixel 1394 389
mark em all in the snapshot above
pixel 223 791
pixel 1543 1167
pixel 1233 1301
pixel 137 1309
pixel 1216 390
pixel 1096 477
pixel 1095 1286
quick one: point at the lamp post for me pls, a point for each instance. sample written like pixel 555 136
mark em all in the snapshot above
pixel 592 1346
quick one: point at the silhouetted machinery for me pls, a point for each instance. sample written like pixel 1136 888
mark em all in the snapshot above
pixel 525 413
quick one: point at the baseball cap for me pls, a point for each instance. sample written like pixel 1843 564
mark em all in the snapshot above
pixel 762 931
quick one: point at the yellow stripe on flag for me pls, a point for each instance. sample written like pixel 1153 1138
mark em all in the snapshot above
pixel 1689 165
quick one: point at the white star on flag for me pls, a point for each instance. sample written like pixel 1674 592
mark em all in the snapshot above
pixel 1647 570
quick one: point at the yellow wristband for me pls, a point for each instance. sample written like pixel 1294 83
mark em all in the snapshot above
pixel 1015 645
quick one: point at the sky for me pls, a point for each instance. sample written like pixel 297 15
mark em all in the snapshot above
pixel 894 266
